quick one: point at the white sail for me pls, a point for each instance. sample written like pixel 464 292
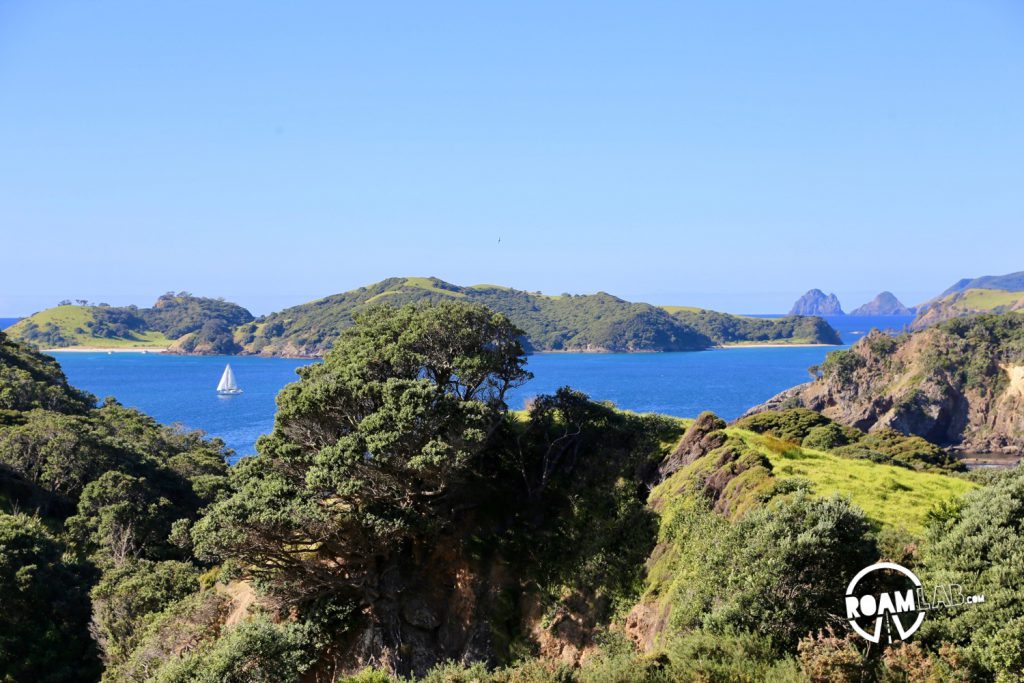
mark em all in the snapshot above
pixel 227 382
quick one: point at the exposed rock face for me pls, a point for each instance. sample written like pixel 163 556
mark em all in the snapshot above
pixel 959 384
pixel 885 303
pixel 701 438
pixel 815 302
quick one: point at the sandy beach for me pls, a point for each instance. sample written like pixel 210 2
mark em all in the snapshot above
pixel 120 349
pixel 768 345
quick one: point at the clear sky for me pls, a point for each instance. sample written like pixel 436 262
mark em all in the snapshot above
pixel 723 154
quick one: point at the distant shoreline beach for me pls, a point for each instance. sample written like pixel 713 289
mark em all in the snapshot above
pixel 769 345
pixel 99 349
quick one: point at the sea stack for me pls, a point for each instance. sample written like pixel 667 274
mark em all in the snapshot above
pixel 815 302
pixel 885 303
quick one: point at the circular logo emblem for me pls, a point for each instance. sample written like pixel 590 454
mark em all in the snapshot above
pixel 880 594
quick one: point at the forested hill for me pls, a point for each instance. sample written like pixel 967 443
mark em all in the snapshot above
pixel 569 322
pixel 174 316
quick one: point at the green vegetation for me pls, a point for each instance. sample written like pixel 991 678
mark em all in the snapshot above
pixel 802 427
pixel 733 329
pixel 399 516
pixel 92 326
pixel 892 496
pixel 173 316
pixel 958 384
pixel 971 297
pixel 987 299
pixel 84 493
pixel 596 322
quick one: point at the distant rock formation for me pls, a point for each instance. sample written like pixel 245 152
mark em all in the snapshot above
pixel 885 303
pixel 815 302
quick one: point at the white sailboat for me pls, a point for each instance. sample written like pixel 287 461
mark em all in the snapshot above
pixel 227 386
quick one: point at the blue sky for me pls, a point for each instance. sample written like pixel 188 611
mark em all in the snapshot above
pixel 727 155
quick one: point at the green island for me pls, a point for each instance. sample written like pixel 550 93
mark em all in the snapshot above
pixel 182 323
pixel 401 523
pixel 180 319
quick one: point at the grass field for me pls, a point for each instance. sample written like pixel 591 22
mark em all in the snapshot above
pixel 891 496
pixel 681 309
pixel 987 299
pixel 72 318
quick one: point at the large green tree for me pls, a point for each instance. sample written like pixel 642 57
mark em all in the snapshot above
pixel 369 449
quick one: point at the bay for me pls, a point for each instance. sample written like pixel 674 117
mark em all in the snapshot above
pixel 180 389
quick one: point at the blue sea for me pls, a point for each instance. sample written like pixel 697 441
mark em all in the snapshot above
pixel 180 389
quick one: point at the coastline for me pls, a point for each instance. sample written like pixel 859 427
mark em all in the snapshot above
pixel 769 345
pixel 101 349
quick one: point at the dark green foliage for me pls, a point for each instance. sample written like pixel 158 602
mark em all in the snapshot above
pixel 978 345
pixel 386 429
pixel 60 454
pixel 779 571
pixel 814 430
pixel 829 436
pixel 581 463
pixel 889 446
pixel 789 425
pixel 127 481
pixel 44 633
pixel 980 546
pixel 47 336
pixel 178 314
pixel 255 651
pixel 129 595
pixel 214 337
pixel 842 364
pixel 116 323
pixel 725 328
pixel 30 380
pixel 399 448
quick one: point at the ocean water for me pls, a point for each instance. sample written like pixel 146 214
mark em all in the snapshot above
pixel 180 389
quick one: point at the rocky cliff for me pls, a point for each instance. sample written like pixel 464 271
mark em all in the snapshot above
pixel 815 302
pixel 885 303
pixel 958 384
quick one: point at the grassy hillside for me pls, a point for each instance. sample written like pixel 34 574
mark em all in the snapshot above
pixel 989 294
pixel 173 316
pixel 69 326
pixel 593 322
pixel 891 496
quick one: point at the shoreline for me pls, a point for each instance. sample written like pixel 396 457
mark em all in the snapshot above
pixel 769 345
pixel 100 349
